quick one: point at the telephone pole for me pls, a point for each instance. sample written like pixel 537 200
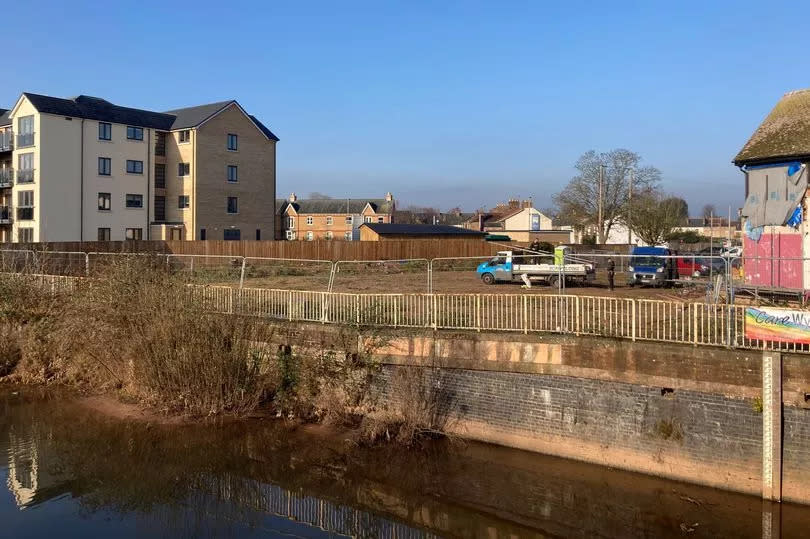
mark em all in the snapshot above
pixel 600 222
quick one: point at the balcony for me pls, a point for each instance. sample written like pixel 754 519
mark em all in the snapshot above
pixel 25 176
pixel 6 140
pixel 6 178
pixel 25 213
pixel 5 215
pixel 25 140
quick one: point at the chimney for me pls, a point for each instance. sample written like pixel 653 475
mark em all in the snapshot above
pixel 389 197
pixel 480 222
pixel 293 198
pixel 514 203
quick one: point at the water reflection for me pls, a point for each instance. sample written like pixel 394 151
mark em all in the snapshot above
pixel 71 471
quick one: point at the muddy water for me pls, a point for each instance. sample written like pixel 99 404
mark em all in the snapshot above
pixel 71 471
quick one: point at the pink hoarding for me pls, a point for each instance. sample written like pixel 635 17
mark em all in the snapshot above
pixel 774 260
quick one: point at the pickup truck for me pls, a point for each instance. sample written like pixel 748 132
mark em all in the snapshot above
pixel 508 266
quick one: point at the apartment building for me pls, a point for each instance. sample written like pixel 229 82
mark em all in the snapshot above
pixel 85 169
pixel 331 219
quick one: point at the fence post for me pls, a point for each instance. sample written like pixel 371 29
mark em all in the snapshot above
pixel 87 264
pixel 478 312
pixel 433 309
pixel 525 311
pixel 357 308
pixel 230 300
pixel 323 307
pixel 290 305
pixel 695 323
pixel 578 316
pixel 396 310
pixel 633 320
pixel 242 273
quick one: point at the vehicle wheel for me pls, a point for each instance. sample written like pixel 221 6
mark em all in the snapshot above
pixel 552 280
pixel 488 278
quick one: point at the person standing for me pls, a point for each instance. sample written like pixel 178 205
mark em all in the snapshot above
pixel 611 272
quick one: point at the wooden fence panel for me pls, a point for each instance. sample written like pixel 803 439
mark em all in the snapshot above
pixel 312 250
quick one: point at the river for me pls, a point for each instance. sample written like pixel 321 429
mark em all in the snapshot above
pixel 73 471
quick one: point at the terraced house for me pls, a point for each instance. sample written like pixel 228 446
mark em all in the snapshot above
pixel 84 169
pixel 330 219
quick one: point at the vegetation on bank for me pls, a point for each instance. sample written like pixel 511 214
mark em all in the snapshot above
pixel 139 331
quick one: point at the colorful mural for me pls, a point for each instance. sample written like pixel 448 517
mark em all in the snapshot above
pixel 779 325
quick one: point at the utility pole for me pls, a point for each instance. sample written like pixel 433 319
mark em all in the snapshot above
pixel 630 206
pixel 600 222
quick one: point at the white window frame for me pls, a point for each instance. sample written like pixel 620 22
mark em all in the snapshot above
pixel 329 235
pixel 310 220
pixel 310 235
pixel 329 221
pixel 290 234
pixel 349 219
pixel 367 219
pixel 290 222
pixel 347 235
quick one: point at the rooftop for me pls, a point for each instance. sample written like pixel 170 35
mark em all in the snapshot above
pixel 389 229
pixel 97 108
pixel 784 134
pixel 335 205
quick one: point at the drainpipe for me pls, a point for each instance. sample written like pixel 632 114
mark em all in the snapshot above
pixel 81 184
pixel 148 182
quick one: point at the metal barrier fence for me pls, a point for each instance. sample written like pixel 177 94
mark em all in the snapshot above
pixel 624 318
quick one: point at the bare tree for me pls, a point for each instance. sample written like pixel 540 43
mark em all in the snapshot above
pixel 580 200
pixel 653 216
pixel 708 211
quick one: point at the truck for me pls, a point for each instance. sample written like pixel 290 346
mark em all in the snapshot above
pixel 509 266
pixel 649 266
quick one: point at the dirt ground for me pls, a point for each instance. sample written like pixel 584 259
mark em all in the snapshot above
pixel 465 282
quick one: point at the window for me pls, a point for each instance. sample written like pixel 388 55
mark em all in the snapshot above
pixel 328 234
pixel 290 222
pixel 329 221
pixel 232 174
pixel 134 201
pixel 233 234
pixel 160 176
pixel 202 234
pixel 258 234
pixel 25 170
pixel 367 219
pixel 103 234
pixel 349 220
pixel 104 201
pixel 25 235
pixel 134 133
pixel 290 234
pixel 184 136
pixel 104 132
pixel 134 233
pixel 380 219
pixel 310 235
pixel 232 142
pixel 134 167
pixel 309 221
pixel 233 206
pixel 347 236
pixel 25 205
pixel 160 143
pixel 160 208
pixel 183 169
pixel 182 202
pixel 25 131
pixel 104 166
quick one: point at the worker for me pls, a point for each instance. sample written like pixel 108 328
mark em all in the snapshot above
pixel 611 271
pixel 535 247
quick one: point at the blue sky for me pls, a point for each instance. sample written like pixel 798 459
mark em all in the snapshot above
pixel 442 103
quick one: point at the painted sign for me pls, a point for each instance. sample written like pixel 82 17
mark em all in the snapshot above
pixel 780 325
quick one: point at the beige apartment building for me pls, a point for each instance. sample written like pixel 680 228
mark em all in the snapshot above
pixel 331 219
pixel 84 169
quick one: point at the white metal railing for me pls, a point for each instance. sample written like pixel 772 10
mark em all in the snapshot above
pixel 625 318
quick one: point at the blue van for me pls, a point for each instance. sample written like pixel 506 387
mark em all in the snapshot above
pixel 649 267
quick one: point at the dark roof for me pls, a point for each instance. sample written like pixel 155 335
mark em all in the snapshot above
pixel 785 132
pixel 338 206
pixel 386 229
pixel 5 119
pixel 95 108
pixel 194 116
